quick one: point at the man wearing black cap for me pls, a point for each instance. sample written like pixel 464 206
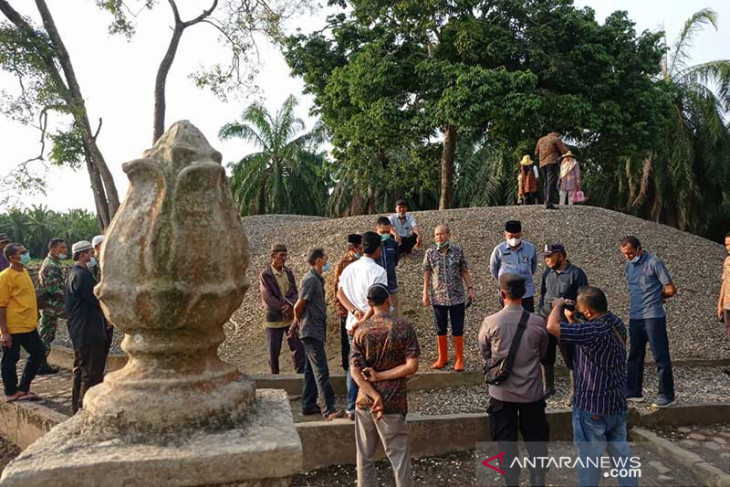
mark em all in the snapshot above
pixel 561 279
pixel 384 352
pixel 354 252
pixel 4 240
pixel 516 256
pixel 518 403
pixel 86 325
pixel 279 293
pixel 404 228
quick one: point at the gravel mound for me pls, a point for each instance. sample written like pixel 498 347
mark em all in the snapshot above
pixel 591 236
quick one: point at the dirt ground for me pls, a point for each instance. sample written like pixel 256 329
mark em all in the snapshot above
pixel 8 452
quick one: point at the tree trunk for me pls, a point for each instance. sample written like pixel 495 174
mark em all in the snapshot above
pixel 105 195
pixel 448 156
pixel 158 119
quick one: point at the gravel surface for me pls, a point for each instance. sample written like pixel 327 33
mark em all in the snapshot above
pixel 591 236
pixel 712 443
pixel 8 452
pixel 460 469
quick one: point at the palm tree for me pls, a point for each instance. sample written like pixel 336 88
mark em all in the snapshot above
pixel 684 183
pixel 288 174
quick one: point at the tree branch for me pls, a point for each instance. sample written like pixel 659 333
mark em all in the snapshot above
pixel 98 129
pixel 202 16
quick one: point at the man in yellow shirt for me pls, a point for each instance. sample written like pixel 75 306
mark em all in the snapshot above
pixel 18 321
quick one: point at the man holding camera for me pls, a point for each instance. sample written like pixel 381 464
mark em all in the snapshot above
pixel 600 408
pixel 517 403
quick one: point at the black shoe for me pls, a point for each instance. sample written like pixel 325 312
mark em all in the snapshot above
pixel 46 369
pixel 551 207
pixel 310 412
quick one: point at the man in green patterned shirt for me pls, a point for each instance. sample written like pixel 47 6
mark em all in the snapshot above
pixel 52 289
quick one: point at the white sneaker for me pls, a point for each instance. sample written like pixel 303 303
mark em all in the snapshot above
pixel 635 399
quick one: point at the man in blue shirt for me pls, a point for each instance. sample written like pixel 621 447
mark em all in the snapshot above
pixel 389 258
pixel 599 405
pixel 516 256
pixel 649 285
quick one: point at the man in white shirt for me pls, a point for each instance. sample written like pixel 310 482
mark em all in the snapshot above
pixel 352 292
pixel 404 228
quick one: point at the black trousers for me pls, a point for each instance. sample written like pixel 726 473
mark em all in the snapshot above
pixel 32 343
pixel 344 345
pixel 566 351
pixel 505 420
pixel 550 177
pixel 407 243
pixel 274 339
pixel 89 363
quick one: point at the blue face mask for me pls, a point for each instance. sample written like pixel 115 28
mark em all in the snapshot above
pixel 25 258
pixel 357 256
pixel 384 236
pixel 327 267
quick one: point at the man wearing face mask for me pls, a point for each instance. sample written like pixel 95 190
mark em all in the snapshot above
pixel 516 256
pixel 600 410
pixel 389 258
pixel 310 314
pixel 354 252
pixel 18 320
pixel 561 279
pixel 86 325
pixel 649 285
pixel 52 288
pixel 445 269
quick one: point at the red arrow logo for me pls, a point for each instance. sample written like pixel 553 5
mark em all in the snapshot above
pixel 500 457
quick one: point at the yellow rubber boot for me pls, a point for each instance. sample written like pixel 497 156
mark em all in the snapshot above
pixel 443 353
pixel 459 349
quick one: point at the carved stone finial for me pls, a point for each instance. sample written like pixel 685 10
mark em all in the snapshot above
pixel 174 262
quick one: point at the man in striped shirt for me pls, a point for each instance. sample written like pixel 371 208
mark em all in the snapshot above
pixel 600 408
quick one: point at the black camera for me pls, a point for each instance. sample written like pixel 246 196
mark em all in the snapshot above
pixel 569 305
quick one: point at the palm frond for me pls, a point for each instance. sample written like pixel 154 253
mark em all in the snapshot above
pixel 691 28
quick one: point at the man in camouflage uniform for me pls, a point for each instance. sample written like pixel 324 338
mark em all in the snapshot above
pixel 52 288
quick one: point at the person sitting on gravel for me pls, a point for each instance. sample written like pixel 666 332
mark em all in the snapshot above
pixel 405 229
pixel 279 293
pixel 515 256
pixel 561 279
pixel 352 292
pixel 310 315
pixel 354 252
pixel 86 324
pixel 600 409
pixel 444 268
pixel 517 404
pixel 649 286
pixel 384 352
pixel 389 258
pixel 18 320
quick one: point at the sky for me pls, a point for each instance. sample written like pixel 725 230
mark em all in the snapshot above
pixel 117 79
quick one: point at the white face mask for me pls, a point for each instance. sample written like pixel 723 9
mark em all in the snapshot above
pixel 92 262
pixel 513 242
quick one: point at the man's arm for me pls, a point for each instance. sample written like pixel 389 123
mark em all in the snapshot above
pixel 466 275
pixel 485 343
pixel 351 308
pixel 299 307
pixel 662 274
pixel 399 372
pixel 543 289
pixel 82 286
pixel 367 388
pixel 669 290
pixel 553 322
pixel 533 260
pixel 266 294
pixel 426 287
pixel 494 263
pixel 561 147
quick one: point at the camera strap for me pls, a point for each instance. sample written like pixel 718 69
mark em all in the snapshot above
pixel 521 326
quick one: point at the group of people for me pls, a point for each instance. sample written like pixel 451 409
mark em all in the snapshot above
pixel 380 348
pixel 561 174
pixel 58 295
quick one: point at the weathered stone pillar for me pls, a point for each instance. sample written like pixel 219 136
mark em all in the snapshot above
pixel 174 259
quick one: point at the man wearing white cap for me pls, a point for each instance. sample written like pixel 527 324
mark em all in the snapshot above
pixel 86 324
pixel 96 272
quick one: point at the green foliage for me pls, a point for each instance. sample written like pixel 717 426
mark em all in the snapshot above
pixel 35 226
pixel 289 175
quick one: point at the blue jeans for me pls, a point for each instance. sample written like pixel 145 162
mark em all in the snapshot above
pixel 317 378
pixel 653 330
pixel 352 388
pixel 595 434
